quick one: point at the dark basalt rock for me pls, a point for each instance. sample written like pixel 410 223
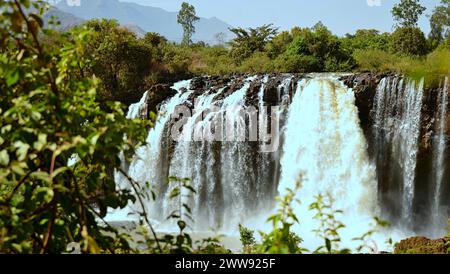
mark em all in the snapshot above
pixel 364 86
pixel 251 97
pixel 270 96
pixel 198 83
pixel 156 95
pixel 235 85
pixel 206 84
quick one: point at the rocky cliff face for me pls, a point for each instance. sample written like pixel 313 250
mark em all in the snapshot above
pixel 364 86
pixel 425 173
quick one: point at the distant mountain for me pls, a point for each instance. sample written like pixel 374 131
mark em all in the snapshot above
pixel 148 19
pixel 140 33
pixel 65 19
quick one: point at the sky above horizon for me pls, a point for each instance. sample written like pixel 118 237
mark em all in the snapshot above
pixel 341 16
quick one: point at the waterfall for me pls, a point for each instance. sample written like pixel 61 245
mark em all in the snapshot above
pixel 225 174
pixel 148 163
pixel 439 150
pixel 135 110
pixel 397 107
pixel 308 128
pixel 324 143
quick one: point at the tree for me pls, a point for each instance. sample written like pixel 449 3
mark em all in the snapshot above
pixel 187 18
pixel 440 23
pixel 48 116
pixel 120 60
pixel 407 13
pixel 369 39
pixel 249 41
pixel 154 39
pixel 278 44
pixel 409 41
pixel 313 49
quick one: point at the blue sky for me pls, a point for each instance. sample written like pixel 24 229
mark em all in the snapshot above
pixel 341 16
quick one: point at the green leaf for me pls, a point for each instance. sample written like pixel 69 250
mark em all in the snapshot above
pixel 42 176
pixel 18 168
pixel 153 116
pixel 22 150
pixel 59 170
pixel 44 194
pixel 328 244
pixel 181 225
pixel 41 142
pixel 26 3
pixel 12 78
pixel 43 221
pixel 17 247
pixel 174 193
pixel 4 157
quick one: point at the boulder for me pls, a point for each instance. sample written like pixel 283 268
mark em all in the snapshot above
pixel 198 83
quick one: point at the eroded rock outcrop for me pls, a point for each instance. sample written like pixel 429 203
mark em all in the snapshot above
pixel 156 95
pixel 364 86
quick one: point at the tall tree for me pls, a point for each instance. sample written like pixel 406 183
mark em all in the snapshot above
pixel 407 13
pixel 187 18
pixel 440 22
pixel 251 40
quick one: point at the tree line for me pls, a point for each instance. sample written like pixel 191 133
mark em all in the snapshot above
pixel 127 65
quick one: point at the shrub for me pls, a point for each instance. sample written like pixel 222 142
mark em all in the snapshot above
pixel 247 238
pixel 296 63
pixel 216 60
pixel 257 63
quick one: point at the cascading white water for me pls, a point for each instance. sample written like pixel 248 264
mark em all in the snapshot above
pixel 134 110
pixel 440 149
pixel 398 108
pixel 409 134
pixel 324 143
pixel 146 165
pixel 194 158
pixel 188 161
